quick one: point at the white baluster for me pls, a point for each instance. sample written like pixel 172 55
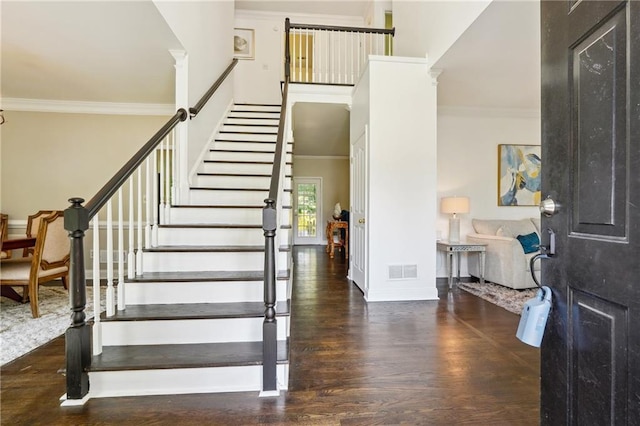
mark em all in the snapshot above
pixel 139 204
pixel 121 284
pixel 173 176
pixel 97 326
pixel 162 200
pixel 155 202
pixel 306 57
pixel 148 243
pixel 131 259
pixel 110 291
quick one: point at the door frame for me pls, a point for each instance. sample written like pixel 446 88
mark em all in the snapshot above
pixel 319 238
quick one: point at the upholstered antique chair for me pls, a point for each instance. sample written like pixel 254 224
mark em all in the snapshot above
pixel 49 261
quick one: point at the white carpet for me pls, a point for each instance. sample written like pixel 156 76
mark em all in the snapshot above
pixel 507 298
pixel 20 333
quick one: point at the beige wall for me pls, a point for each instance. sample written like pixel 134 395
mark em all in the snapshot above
pixel 335 180
pixel 47 158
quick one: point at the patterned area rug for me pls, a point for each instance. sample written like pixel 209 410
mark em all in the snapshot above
pixel 507 298
pixel 20 333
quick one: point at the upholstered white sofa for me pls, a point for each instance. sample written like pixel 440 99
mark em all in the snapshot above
pixel 506 262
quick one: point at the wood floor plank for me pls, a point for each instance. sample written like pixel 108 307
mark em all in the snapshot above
pixel 447 362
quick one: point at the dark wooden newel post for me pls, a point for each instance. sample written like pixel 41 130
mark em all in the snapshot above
pixel 269 327
pixel 77 336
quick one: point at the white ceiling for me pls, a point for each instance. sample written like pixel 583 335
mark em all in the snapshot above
pixel 117 51
pixel 100 51
pixel 496 62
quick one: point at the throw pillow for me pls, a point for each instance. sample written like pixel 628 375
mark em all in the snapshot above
pixel 530 243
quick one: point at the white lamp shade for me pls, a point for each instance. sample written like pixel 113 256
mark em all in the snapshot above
pixel 454 205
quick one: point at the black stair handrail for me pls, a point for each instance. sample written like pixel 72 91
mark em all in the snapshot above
pixel 193 111
pixel 269 226
pixel 76 222
pixel 366 30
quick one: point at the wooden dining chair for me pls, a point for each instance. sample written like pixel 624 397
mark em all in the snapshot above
pixel 49 261
pixel 4 232
pixel 33 223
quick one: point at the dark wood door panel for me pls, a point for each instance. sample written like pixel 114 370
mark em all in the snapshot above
pixel 590 357
pixel 599 363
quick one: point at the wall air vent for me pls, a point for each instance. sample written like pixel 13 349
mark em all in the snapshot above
pixel 403 272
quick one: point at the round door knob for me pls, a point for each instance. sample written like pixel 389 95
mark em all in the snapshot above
pixel 549 207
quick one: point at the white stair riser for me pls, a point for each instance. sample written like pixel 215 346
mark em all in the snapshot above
pixel 216 236
pixel 247 146
pixel 216 181
pixel 205 261
pixel 241 168
pixel 235 198
pixel 248 114
pixel 243 156
pixel 240 216
pixel 238 107
pixel 267 121
pixel 210 236
pixel 105 384
pixel 245 137
pixel 175 332
pixel 272 128
pixel 151 293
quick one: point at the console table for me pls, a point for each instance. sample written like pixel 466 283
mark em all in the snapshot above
pixel 461 247
pixel 332 226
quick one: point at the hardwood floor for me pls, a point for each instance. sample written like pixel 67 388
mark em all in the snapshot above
pixel 446 362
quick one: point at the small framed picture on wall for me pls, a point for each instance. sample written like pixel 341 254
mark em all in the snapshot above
pixel 243 43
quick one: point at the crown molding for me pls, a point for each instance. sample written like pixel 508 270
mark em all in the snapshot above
pixel 489 111
pixel 85 107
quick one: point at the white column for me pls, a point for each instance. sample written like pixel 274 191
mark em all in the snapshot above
pixel 180 188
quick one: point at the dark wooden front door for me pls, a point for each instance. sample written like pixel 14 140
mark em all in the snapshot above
pixel 590 364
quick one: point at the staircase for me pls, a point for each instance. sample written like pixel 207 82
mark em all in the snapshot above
pixel 193 321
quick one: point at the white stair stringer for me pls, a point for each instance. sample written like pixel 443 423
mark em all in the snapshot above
pixel 193 318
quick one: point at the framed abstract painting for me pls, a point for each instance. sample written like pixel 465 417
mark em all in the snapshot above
pixel 519 173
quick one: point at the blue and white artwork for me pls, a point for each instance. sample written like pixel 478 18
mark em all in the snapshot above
pixel 519 174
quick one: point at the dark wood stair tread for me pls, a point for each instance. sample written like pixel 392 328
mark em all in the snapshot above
pixel 185 311
pixel 205 276
pixel 199 355
pixel 209 249
pixel 228 206
pixel 206 188
pixel 255 104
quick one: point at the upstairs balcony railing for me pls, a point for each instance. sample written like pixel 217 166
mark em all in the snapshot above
pixel 324 54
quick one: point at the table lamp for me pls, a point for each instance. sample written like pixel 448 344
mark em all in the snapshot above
pixel 454 205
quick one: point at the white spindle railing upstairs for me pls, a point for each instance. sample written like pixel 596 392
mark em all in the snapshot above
pixel 333 55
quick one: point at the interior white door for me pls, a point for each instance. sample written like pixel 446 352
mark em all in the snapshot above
pixel 358 252
pixel 307 211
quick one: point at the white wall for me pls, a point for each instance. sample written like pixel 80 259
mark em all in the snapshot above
pixel 429 28
pixel 402 175
pixel 468 142
pixel 258 80
pixel 205 29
